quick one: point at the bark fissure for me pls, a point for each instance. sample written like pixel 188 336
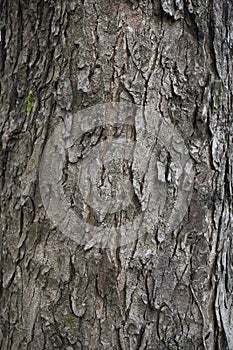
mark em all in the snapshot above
pixel 162 291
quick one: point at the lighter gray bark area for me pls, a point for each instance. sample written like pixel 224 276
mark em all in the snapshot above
pixel 164 291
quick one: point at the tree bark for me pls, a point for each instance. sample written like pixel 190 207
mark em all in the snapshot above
pixel 165 290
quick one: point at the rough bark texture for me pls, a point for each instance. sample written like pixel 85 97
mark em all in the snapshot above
pixel 161 292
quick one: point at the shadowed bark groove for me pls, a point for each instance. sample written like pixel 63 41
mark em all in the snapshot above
pixel 162 291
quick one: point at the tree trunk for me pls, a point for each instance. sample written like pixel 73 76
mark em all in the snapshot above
pixel 170 286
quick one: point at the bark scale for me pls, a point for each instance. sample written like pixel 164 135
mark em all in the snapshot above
pixel 161 292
